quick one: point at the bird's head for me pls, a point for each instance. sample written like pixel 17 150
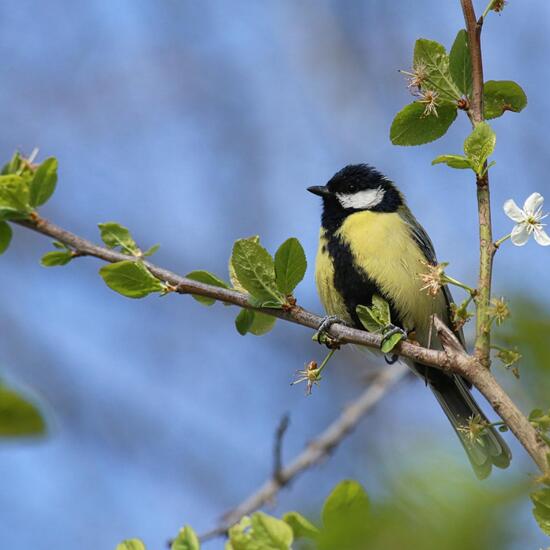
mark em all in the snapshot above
pixel 358 187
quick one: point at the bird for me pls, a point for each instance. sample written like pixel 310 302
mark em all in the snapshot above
pixel 371 244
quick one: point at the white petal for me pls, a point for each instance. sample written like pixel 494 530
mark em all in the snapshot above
pixel 533 203
pixel 513 211
pixel 542 237
pixel 520 234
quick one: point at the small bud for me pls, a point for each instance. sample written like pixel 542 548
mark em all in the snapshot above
pixel 474 429
pixel 433 278
pixel 509 357
pixel 310 374
pixel 498 5
pixel 429 99
pixel 460 314
pixel 416 78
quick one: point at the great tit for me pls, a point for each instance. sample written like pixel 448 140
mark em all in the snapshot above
pixel 371 243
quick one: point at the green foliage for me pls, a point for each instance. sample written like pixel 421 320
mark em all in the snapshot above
pixel 500 96
pixel 260 532
pixel 478 147
pixel 377 318
pixel 5 236
pixel 255 271
pixel 186 540
pixel 131 544
pixel 541 421
pixel 14 197
pixel 244 320
pixel 131 279
pixel 433 59
pixel 207 278
pixel 460 64
pixel 56 257
pixel 301 526
pixel 290 265
pixel 115 235
pixel 541 511
pixel 412 126
pixel 43 182
pixel 18 417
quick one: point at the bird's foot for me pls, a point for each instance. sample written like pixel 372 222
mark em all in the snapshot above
pixel 323 337
pixel 392 335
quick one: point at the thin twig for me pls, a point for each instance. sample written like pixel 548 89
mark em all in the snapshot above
pixel 278 448
pixel 317 450
pixel 448 360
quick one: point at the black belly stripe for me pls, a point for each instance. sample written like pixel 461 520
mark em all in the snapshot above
pixel 354 285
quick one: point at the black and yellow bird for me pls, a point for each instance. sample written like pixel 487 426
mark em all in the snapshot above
pixel 371 243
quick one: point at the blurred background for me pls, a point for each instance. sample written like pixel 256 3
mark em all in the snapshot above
pixel 197 123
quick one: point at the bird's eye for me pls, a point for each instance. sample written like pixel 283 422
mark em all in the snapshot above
pixel 352 188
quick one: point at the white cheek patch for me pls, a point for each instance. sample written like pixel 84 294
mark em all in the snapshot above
pixel 368 198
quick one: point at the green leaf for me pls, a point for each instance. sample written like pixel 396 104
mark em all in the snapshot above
pixel 479 146
pixel 186 540
pixel 14 197
pixel 540 419
pixel 411 127
pixel 131 544
pixel 290 265
pixel 13 165
pixel 433 58
pixel 346 500
pixel 116 235
pixel 460 64
pixel 255 271
pixel 5 236
pixel 390 342
pixel 541 511
pixel 301 527
pixel 453 161
pixel 262 324
pixel 232 275
pixel 18 417
pixel 56 257
pixel 43 182
pixel 131 279
pixel 151 251
pixel 500 96
pixel 260 532
pixel 244 320
pixel 207 278
pixel 368 320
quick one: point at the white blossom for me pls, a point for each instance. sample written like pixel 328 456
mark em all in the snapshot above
pixel 528 220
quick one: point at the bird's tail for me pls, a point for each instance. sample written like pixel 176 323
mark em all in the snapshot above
pixel 484 449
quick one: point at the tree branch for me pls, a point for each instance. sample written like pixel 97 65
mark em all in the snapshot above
pixel 450 360
pixel 486 246
pixel 316 451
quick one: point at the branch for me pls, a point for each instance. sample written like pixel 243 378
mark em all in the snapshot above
pixel 316 451
pixel 486 246
pixel 451 360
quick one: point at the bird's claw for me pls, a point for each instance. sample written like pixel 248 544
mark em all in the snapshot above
pixel 388 331
pixel 323 337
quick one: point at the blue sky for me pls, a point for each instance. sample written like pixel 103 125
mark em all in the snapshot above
pixel 195 124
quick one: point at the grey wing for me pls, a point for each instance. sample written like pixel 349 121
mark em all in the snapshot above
pixel 425 244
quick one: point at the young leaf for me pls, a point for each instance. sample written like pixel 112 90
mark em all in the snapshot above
pixel 131 544
pixel 460 64
pixel 541 511
pixel 114 234
pixel 433 58
pixel 261 324
pixel 260 532
pixel 13 165
pixel 453 161
pixel 290 265
pixel 131 279
pixel 14 197
pixel 347 502
pixel 5 236
pixel 301 527
pixel 18 417
pixel 56 257
pixel 186 540
pixel 479 145
pixel 244 320
pixel 151 251
pixel 391 341
pixel 207 278
pixel 255 271
pixel 43 182
pixel 502 95
pixel 232 275
pixel 412 127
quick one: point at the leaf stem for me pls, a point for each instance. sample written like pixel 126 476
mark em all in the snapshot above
pixel 325 361
pixel 455 282
pixel 501 240
pixel 488 9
